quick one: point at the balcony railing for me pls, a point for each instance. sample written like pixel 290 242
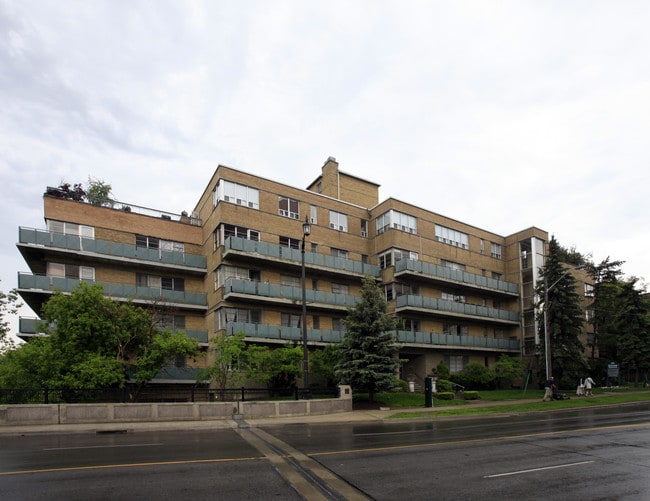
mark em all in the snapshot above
pixel 290 293
pixel 457 276
pixel 51 284
pixel 456 308
pixel 450 340
pixel 44 238
pixel 312 259
pixel 283 333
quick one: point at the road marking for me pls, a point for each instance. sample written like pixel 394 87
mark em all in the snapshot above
pixel 129 465
pixel 532 470
pixel 99 447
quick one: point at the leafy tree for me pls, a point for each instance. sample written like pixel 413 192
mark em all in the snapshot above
pixel 278 367
pixel 94 342
pixel 369 349
pixel 475 376
pixel 8 306
pixel 99 193
pixel 507 370
pixel 323 364
pixel 633 342
pixel 228 369
pixel 564 319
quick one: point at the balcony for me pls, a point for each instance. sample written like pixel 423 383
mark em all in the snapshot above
pixel 33 288
pixel 267 251
pixel 443 307
pixel 31 240
pixel 28 328
pixel 452 341
pixel 286 294
pixel 456 277
pixel 283 333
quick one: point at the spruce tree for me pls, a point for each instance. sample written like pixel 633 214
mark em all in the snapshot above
pixel 369 350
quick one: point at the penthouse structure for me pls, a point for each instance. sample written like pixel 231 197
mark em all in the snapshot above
pixel 461 293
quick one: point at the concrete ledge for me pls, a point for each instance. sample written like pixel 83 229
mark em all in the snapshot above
pixel 43 414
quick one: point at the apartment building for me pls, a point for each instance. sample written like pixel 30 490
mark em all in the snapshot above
pixel 461 293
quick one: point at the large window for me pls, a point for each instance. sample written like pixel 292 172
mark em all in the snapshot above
pixel 243 315
pixel 392 256
pixel 167 320
pixel 143 241
pixel 456 363
pixel 157 282
pixel 237 194
pixel 452 237
pixel 70 228
pixel 396 220
pixel 454 296
pixel 339 252
pixel 455 329
pixel 338 221
pixel 70 271
pixel 288 207
pixel 452 265
pixel 227 272
pixel 396 289
pixel 340 288
pixel 224 231
pixel 290 320
pixel 495 250
pixel 292 243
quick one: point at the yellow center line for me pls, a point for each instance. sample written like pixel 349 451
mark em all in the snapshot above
pixel 130 465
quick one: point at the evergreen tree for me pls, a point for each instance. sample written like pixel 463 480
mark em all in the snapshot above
pixel 564 319
pixel 633 324
pixel 369 350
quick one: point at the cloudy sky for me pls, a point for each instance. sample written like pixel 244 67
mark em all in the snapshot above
pixel 503 115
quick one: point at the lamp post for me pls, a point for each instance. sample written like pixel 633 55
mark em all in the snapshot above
pixel 306 230
pixel 547 334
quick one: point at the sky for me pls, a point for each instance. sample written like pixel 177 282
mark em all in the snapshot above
pixel 503 115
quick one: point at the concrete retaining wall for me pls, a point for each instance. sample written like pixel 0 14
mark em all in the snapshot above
pixel 17 415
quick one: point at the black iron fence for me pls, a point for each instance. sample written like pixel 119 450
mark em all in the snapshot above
pixel 157 394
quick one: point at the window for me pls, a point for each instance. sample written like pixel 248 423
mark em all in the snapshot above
pixel 243 315
pixel 227 272
pixel 396 220
pixel 495 250
pixel 70 271
pixel 146 242
pixel 496 276
pixel 340 288
pixel 337 325
pixel 338 221
pixel 224 231
pixel 292 243
pixel 339 253
pixel 454 296
pixel 482 243
pixel 291 281
pixel 364 227
pixel 288 207
pixel 452 265
pixel 156 282
pixel 291 320
pixel 411 324
pixel 70 228
pixel 169 321
pixel 313 214
pixel 452 237
pixel 455 329
pixel 391 256
pixel 456 363
pixel 237 194
pixel 396 289
pixel 589 290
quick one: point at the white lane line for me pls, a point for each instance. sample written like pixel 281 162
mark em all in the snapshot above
pixel 537 469
pixel 98 447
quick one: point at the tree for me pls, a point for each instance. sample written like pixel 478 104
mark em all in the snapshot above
pixel 507 370
pixel 277 368
pixel 564 319
pixel 94 342
pixel 99 193
pixel 8 306
pixel 369 349
pixel 228 369
pixel 323 364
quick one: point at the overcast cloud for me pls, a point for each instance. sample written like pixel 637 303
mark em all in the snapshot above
pixel 503 115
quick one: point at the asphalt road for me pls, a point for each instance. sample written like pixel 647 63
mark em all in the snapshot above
pixel 574 455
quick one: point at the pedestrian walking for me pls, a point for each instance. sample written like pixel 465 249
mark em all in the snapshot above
pixel 580 391
pixel 548 389
pixel 589 384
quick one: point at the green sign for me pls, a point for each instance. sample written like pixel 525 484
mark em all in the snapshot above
pixel 613 369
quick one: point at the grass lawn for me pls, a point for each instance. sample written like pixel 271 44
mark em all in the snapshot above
pixel 460 407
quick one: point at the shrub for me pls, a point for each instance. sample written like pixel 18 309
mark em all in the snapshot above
pixel 471 395
pixel 443 385
pixel 445 395
pixel 442 370
pixel 475 376
pixel 401 385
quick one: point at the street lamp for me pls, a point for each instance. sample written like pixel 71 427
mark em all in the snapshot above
pixel 547 335
pixel 306 230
